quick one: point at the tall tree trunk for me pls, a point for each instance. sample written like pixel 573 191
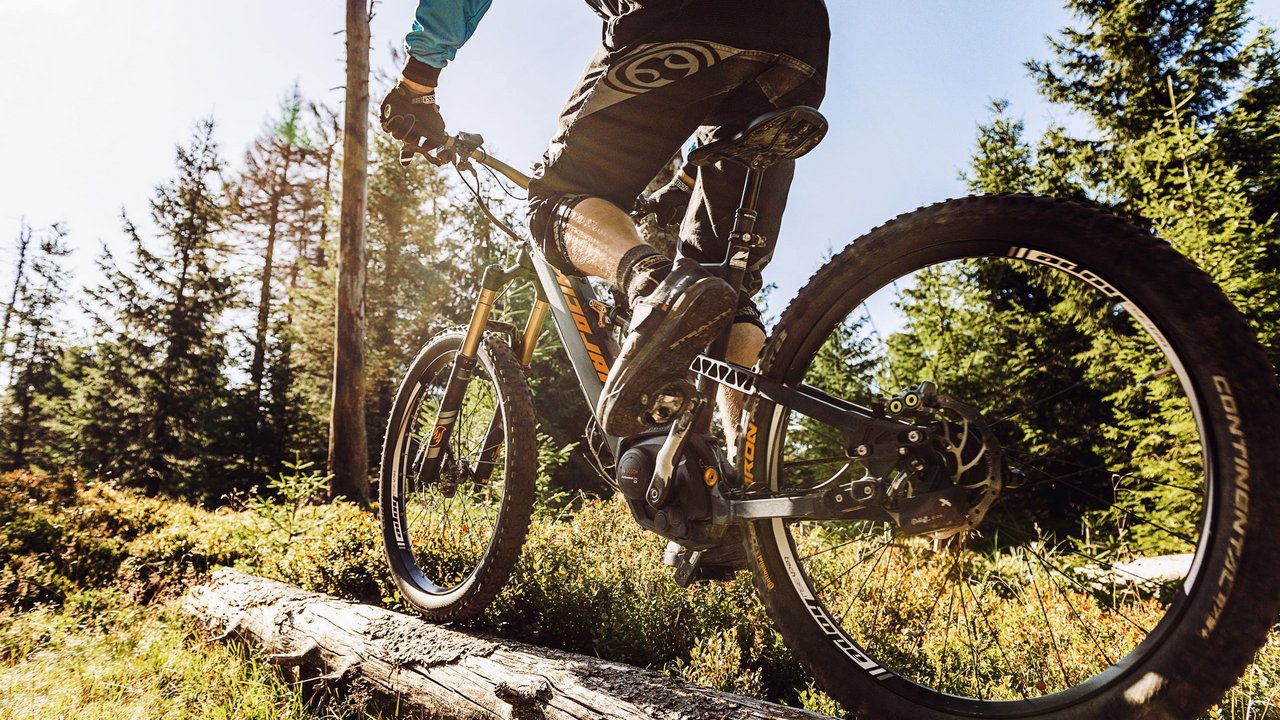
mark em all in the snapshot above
pixel 348 446
pixel 257 366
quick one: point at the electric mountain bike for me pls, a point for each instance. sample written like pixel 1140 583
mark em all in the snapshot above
pixel 1002 457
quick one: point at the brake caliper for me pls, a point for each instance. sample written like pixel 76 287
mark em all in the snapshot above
pixel 945 486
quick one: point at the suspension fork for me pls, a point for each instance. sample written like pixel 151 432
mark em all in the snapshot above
pixel 494 280
pixel 493 437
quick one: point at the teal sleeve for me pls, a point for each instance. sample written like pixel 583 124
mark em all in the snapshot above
pixel 440 27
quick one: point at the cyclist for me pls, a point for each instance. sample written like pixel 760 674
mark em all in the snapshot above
pixel 667 70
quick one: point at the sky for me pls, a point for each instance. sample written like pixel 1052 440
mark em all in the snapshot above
pixel 94 96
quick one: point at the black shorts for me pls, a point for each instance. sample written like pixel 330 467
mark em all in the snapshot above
pixel 632 112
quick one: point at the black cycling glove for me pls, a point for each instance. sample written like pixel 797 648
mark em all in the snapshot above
pixel 669 203
pixel 414 118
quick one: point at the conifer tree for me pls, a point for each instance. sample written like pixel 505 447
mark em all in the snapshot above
pixel 278 203
pixel 1183 140
pixel 1185 115
pixel 409 284
pixel 19 280
pixel 38 335
pixel 153 409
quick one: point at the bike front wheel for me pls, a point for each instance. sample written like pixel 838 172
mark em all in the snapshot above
pixel 1085 531
pixel 454 530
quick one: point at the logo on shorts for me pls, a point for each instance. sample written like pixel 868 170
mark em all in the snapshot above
pixel 655 66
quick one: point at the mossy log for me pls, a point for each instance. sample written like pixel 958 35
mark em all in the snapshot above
pixel 432 671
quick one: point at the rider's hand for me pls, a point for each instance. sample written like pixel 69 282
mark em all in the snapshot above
pixel 413 116
pixel 668 204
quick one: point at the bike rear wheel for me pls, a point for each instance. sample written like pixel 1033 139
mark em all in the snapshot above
pixel 1105 420
pixel 452 536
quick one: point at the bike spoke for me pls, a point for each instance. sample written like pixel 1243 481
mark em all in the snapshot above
pixel 995 636
pixel 973 638
pixel 1084 625
pixel 818 461
pixel 853 567
pixel 924 627
pixel 863 536
pixel 1048 626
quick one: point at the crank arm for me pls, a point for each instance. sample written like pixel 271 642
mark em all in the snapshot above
pixel 860 424
pixel 669 455
pixel 839 503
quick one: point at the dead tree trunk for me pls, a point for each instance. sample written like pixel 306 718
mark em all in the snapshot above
pixel 348 443
pixel 426 670
pixel 24 241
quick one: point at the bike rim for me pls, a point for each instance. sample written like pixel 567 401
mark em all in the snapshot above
pixel 445 526
pixel 962 624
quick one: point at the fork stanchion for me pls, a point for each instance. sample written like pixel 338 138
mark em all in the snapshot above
pixel 463 367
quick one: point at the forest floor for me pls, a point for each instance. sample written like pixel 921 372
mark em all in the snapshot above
pixel 90 577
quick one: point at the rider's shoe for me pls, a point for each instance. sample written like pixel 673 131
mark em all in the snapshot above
pixel 669 328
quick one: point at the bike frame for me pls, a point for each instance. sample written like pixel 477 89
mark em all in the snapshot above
pixel 587 333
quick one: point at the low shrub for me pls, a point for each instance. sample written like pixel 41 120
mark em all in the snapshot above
pixel 589 581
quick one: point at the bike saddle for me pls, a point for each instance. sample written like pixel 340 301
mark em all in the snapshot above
pixel 780 135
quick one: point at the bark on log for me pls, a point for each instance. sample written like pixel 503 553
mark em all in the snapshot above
pixel 432 671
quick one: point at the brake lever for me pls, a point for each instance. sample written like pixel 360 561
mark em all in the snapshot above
pixel 439 157
pixel 442 156
pixel 456 148
pixel 645 206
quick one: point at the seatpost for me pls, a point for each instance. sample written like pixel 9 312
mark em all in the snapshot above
pixel 737 257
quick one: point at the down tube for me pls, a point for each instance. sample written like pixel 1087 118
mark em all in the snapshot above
pixel 587 340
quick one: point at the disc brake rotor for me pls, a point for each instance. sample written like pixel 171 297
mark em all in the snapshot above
pixel 948 488
pixel 973 459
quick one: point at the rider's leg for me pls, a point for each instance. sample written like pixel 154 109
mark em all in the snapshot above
pixel 600 239
pixel 676 311
pixel 597 235
pixel 616 134
pixel 745 342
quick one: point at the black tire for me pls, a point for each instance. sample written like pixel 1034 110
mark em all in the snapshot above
pixel 1165 647
pixel 452 540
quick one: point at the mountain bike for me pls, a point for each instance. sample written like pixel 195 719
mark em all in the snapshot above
pixel 1001 457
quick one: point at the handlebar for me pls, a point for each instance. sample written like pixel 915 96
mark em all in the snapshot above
pixel 461 148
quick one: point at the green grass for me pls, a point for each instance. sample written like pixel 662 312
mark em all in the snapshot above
pixel 90 574
pixel 99 657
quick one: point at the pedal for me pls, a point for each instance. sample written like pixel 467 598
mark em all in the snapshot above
pixel 686 564
pixel 666 404
pixel 717 564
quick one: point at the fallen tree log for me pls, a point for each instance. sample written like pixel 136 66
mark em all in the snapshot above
pixel 432 671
